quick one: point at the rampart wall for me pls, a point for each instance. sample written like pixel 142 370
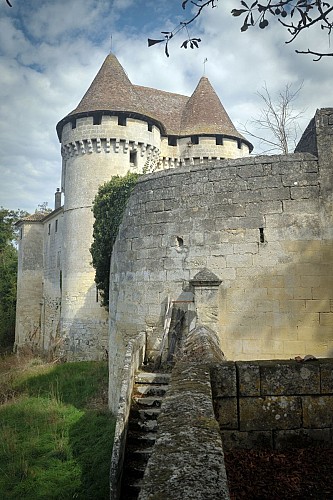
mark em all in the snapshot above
pixel 262 225
pixel 273 404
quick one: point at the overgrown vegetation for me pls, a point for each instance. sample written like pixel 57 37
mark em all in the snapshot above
pixel 8 275
pixel 108 209
pixel 56 433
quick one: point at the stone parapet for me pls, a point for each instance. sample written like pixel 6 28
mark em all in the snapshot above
pixel 187 461
pixel 273 403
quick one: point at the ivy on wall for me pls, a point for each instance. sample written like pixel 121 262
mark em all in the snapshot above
pixel 108 208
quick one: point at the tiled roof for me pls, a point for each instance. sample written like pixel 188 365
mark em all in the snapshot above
pixel 204 113
pixel 166 107
pixel 36 217
pixel 111 90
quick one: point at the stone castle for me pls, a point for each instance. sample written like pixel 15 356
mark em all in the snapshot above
pixel 117 127
pixel 240 244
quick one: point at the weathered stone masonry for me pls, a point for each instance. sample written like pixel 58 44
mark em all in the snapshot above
pixel 273 404
pixel 263 225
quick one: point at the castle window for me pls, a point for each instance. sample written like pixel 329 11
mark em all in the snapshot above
pixel 97 119
pixel 49 229
pixel 150 127
pixel 133 158
pixel 239 144
pixel 60 280
pixel 122 120
pixel 195 139
pixel 56 225
pixel 21 233
pixel 172 140
pixel 73 122
pixel 219 140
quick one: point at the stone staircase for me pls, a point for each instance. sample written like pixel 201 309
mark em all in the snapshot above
pixel 148 393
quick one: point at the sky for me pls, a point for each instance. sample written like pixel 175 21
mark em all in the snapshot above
pixel 50 51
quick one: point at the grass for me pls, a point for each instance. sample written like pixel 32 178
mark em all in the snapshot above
pixel 56 433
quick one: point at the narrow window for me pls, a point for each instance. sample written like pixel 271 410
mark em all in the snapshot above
pixel 180 241
pixel 195 139
pixel 49 229
pixel 172 140
pixel 262 236
pixel 97 119
pixel 60 280
pixel 239 144
pixel 97 294
pixel 21 233
pixel 122 120
pixel 219 140
pixel 150 127
pixel 133 158
pixel 56 225
pixel 73 122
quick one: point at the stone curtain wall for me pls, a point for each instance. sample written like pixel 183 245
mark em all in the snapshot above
pixel 28 331
pixel 261 225
pixel 273 404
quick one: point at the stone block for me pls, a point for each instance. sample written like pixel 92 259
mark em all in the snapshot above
pixel 297 193
pixel 246 440
pixel 326 376
pixel 317 411
pixel 248 378
pixel 289 377
pixel 301 438
pixel 223 380
pixel 271 412
pixel 226 412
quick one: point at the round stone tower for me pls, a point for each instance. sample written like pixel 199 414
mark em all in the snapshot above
pixel 106 135
pixel 119 127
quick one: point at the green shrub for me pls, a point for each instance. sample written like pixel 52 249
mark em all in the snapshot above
pixel 108 209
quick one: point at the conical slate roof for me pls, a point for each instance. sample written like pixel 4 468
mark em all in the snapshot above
pixel 110 90
pixel 204 113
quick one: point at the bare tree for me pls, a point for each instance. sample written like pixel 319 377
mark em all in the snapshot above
pixel 294 15
pixel 277 126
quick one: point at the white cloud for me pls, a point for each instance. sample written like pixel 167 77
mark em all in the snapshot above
pixel 50 52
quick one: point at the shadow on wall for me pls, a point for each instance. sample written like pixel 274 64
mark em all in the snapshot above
pixel 83 336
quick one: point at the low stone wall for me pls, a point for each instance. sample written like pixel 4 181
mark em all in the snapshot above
pixel 187 461
pixel 134 358
pixel 274 404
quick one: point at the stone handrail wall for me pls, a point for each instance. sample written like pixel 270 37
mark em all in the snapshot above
pixel 135 355
pixel 273 404
pixel 187 461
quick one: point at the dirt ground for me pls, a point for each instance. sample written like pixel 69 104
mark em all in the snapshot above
pixel 275 475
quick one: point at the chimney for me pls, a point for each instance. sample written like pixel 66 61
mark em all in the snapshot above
pixel 57 199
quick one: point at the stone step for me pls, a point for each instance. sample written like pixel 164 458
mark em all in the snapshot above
pixel 139 439
pixel 148 401
pixel 152 378
pixel 139 454
pixel 144 426
pixel 145 413
pixel 150 390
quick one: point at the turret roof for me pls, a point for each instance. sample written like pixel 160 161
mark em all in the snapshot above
pixel 176 114
pixel 111 89
pixel 204 113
